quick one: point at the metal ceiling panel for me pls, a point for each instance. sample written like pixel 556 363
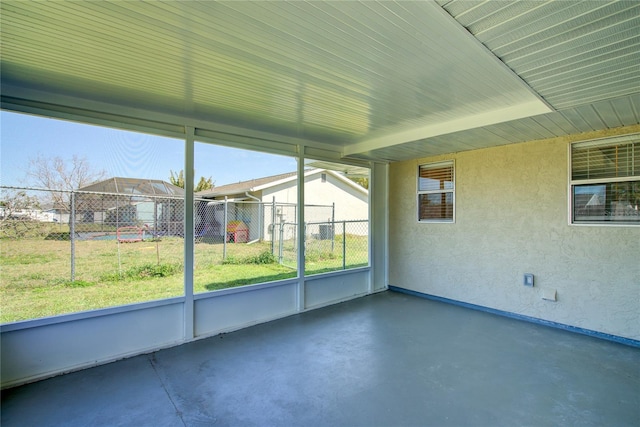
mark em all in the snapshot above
pixel 624 110
pixel 368 73
pixel 580 121
pixel 385 80
pixel 571 53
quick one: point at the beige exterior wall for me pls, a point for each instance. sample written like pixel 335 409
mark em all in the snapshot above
pixel 511 219
pixel 350 202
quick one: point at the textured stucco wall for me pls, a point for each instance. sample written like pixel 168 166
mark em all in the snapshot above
pixel 350 203
pixel 511 219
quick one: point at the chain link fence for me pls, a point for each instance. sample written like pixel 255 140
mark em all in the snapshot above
pixel 336 245
pixel 60 240
pixel 86 222
pixel 91 237
pixel 329 245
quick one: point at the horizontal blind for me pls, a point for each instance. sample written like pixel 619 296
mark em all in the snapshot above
pixel 435 206
pixel 606 160
pixel 436 177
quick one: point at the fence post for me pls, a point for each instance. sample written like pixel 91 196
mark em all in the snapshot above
pixel 102 211
pixel 72 235
pixel 155 218
pixel 280 246
pixel 273 225
pixel 260 221
pixel 305 241
pixel 344 245
pixel 333 226
pixel 295 237
pixel 224 231
pixel 117 212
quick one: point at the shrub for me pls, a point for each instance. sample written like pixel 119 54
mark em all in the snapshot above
pixel 153 270
pixel 58 236
pixel 265 257
pixel 24 228
pixel 318 255
pixel 77 284
pixel 231 260
pixel 145 271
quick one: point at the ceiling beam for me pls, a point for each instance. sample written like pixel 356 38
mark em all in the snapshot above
pixel 519 111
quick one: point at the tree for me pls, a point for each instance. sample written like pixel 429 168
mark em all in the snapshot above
pixel 363 182
pixel 204 184
pixel 177 179
pixel 17 214
pixel 61 176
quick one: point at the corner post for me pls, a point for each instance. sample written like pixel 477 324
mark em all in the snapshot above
pixel 189 234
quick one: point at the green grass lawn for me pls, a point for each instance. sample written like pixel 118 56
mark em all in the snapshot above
pixel 35 275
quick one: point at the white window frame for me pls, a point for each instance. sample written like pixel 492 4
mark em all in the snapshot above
pixel 451 191
pixel 630 139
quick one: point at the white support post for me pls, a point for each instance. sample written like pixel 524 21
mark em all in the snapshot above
pixel 378 226
pixel 300 235
pixel 189 245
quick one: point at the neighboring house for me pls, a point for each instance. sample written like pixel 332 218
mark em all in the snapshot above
pixel 259 203
pixel 52 214
pixel 29 215
pixel 121 201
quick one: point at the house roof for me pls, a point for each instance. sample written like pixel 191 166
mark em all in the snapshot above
pixel 134 186
pixel 245 186
pixel 264 183
pixel 374 80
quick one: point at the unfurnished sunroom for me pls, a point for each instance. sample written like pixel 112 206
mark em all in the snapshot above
pixel 501 139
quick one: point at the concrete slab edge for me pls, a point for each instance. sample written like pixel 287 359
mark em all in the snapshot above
pixel 609 337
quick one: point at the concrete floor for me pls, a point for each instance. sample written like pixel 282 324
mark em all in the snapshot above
pixel 385 360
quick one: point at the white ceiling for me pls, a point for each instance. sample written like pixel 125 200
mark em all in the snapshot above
pixel 373 80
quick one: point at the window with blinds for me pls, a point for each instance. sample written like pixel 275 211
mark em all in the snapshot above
pixel 605 181
pixel 436 192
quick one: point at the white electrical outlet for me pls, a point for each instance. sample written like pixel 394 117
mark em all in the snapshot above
pixel 528 279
